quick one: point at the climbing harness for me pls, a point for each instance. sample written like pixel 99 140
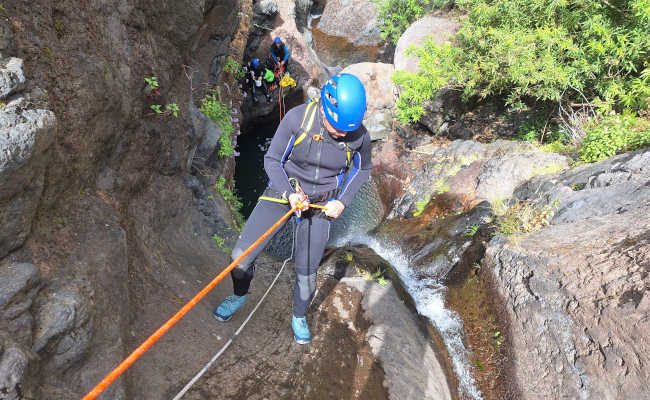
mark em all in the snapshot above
pixel 238 331
pixel 138 352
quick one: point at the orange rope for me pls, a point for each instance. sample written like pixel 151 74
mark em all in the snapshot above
pixel 124 365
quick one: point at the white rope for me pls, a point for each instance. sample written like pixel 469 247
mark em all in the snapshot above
pixel 234 336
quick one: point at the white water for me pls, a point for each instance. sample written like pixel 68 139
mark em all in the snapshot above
pixel 428 295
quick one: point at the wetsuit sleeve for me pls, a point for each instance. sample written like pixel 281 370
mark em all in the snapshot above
pixel 286 53
pixel 273 56
pixel 359 172
pixel 279 150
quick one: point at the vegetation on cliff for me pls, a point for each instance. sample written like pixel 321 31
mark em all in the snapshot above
pixel 587 60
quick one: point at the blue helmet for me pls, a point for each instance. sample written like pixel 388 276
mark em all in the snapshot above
pixel 277 40
pixel 255 62
pixel 344 102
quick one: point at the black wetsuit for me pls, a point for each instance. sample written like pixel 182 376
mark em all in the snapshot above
pixel 320 168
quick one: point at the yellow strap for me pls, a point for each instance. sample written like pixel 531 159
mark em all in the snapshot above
pixel 311 110
pixel 273 199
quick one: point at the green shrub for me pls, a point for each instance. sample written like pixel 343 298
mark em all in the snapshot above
pixel 614 134
pixel 539 50
pixel 220 113
pixel 397 15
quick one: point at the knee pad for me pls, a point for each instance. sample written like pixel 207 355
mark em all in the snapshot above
pixel 306 285
pixel 245 267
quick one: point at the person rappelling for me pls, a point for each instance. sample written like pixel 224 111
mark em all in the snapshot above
pixel 319 155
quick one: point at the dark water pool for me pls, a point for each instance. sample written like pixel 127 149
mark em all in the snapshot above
pixel 250 178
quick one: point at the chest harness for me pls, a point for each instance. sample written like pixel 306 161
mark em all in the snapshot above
pixel 305 128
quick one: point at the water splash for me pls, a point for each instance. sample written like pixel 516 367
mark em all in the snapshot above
pixel 428 295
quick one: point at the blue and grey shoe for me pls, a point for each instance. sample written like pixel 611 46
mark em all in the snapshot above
pixel 300 330
pixel 229 306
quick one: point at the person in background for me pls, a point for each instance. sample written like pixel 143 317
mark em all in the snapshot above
pixel 254 79
pixel 280 54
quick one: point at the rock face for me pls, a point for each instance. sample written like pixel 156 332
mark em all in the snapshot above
pixel 439 28
pixel 380 95
pixel 354 20
pixel 577 293
pixel 472 172
pixel 26 134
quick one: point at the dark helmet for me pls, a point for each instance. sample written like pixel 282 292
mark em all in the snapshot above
pixel 255 62
pixel 344 102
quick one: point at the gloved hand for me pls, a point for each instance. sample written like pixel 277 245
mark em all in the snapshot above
pixel 334 208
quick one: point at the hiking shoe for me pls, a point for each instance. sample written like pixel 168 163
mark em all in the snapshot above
pixel 226 309
pixel 300 330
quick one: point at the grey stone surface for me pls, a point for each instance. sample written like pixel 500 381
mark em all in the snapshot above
pixel 25 136
pixel 501 175
pixel 13 363
pixel 576 293
pixel 266 7
pixel 62 326
pixel 410 364
pixel 611 186
pixel 19 284
pixel 12 78
pixel 441 29
pixel 354 20
pixel 204 131
pixel 380 95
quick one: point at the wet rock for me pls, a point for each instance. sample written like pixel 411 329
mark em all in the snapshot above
pixel 12 78
pixel 354 20
pixel 397 341
pixel 13 363
pixel 25 136
pixel 380 94
pixel 440 29
pixel 501 175
pixel 303 13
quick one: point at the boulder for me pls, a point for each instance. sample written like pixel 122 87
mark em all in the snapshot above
pixel 447 107
pixel 440 29
pixel 13 363
pixel 12 79
pixel 62 328
pixel 354 20
pixel 25 136
pixel 501 175
pixel 380 95
pixel 576 293
pixel 19 283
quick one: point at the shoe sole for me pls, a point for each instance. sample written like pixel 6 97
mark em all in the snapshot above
pixel 218 318
pixel 301 341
